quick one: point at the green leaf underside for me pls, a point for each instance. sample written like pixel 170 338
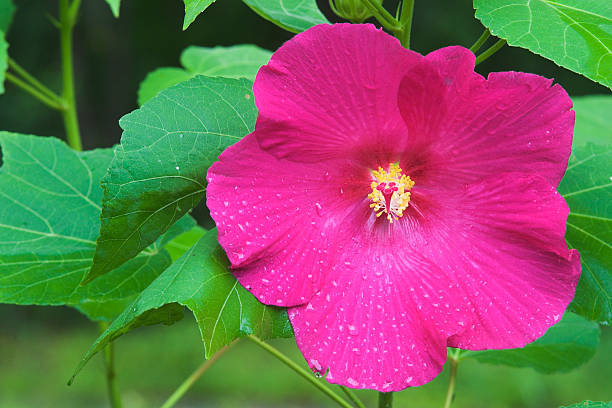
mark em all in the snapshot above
pixel 587 188
pixel 7 9
pixel 193 8
pixel 158 171
pixel 3 60
pixel 291 15
pixel 238 61
pixel 565 346
pixel 593 120
pixel 200 280
pixel 49 220
pixel 590 404
pixel 181 244
pixel 114 6
pixel 575 34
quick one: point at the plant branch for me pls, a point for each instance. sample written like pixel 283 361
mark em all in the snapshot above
pixel 382 15
pixel 351 395
pixel 490 51
pixel 299 370
pixel 109 363
pixel 450 392
pixel 33 81
pixel 480 41
pixel 67 18
pixel 33 91
pixel 406 23
pixel 385 399
pixel 184 387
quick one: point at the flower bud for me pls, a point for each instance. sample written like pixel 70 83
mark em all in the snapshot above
pixel 352 10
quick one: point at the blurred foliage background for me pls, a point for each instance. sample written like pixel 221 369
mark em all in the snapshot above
pixel 39 347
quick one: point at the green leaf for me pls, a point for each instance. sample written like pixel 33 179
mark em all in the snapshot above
pixel 181 244
pixel 238 61
pixel 7 9
pixel 292 15
pixel 587 188
pixel 565 346
pixel 3 60
pixel 114 6
pixel 193 8
pixel 576 34
pixel 49 220
pixel 159 169
pixel 593 120
pixel 590 404
pixel 200 280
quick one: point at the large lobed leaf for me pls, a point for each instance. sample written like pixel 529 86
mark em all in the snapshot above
pixel 590 404
pixel 49 220
pixel 576 34
pixel 593 120
pixel 200 280
pixel 193 8
pixel 292 15
pixel 565 346
pixel 238 61
pixel 158 171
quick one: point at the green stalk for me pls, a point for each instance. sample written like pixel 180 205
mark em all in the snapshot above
pixel 385 399
pixel 406 23
pixel 34 92
pixel 480 41
pixel 33 81
pixel 68 14
pixel 490 51
pixel 351 395
pixel 382 15
pixel 450 392
pixel 184 387
pixel 300 371
pixel 109 363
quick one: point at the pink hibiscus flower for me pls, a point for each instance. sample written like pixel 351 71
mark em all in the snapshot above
pixel 398 204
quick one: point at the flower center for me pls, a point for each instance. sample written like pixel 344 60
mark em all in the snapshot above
pixel 390 192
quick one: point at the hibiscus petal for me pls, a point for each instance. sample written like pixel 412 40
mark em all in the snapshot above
pixel 276 219
pixel 381 321
pixel 331 92
pixel 512 261
pixel 512 122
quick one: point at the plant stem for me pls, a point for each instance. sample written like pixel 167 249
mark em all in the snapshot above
pixel 184 387
pixel 480 41
pixel 351 395
pixel 109 363
pixel 382 15
pixel 406 23
pixel 33 81
pixel 299 370
pixel 490 51
pixel 450 392
pixel 68 13
pixel 385 399
pixel 33 91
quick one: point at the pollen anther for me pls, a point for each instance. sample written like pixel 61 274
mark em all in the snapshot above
pixel 390 192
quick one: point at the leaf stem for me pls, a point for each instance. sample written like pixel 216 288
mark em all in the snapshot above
pixel 352 396
pixel 490 51
pixel 300 371
pixel 33 91
pixel 109 363
pixel 184 387
pixel 33 81
pixel 67 18
pixel 385 399
pixel 406 23
pixel 450 392
pixel 382 15
pixel 480 41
